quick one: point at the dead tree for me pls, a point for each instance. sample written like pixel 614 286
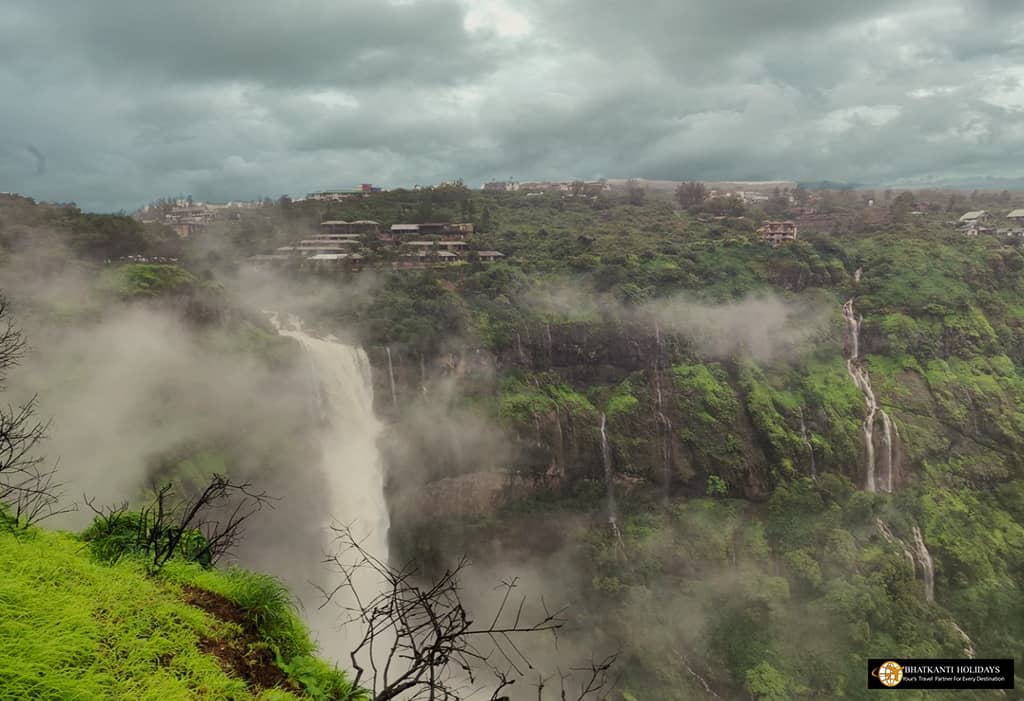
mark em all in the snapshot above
pixel 202 527
pixel 417 640
pixel 29 490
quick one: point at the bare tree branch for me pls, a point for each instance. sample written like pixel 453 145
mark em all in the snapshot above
pixel 417 639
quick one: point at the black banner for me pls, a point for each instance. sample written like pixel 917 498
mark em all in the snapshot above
pixel 903 673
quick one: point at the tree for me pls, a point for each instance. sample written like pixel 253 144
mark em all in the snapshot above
pixel 202 527
pixel 801 195
pixel 418 641
pixel 636 193
pixel 485 220
pixel 691 194
pixel 29 490
pixel 901 206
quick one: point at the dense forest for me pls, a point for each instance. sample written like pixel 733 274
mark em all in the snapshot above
pixel 747 468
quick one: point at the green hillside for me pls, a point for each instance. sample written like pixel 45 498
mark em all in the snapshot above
pixel 72 628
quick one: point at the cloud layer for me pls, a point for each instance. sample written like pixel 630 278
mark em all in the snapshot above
pixel 112 104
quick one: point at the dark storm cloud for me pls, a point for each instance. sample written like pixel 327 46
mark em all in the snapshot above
pixel 134 100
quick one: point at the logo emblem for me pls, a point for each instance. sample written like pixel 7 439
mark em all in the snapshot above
pixel 888 673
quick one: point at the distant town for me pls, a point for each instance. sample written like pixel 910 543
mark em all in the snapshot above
pixel 350 245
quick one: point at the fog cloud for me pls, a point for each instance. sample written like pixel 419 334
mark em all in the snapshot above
pixel 231 101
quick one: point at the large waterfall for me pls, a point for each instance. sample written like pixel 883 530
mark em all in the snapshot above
pixel 352 469
pixel 859 374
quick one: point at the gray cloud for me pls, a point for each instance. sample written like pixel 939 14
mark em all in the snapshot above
pixel 231 100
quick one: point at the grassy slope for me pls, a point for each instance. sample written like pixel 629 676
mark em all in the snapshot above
pixel 72 628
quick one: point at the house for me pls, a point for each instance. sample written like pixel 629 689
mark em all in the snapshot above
pixel 974 223
pixel 777 232
pixel 498 186
pixel 450 246
pixel 327 262
pixel 358 228
pixel 978 217
pixel 1016 216
pixel 489 256
pixel 399 232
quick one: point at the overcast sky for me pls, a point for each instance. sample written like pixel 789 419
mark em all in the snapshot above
pixel 112 103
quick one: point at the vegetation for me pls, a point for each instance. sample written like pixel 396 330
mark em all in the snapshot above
pixel 749 550
pixel 76 628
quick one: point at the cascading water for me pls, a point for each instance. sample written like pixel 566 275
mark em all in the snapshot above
pixel 609 485
pixel 859 374
pixel 807 441
pixel 888 433
pixel 919 558
pixel 888 535
pixel 391 380
pixel 352 469
pixel 664 423
pixel 924 558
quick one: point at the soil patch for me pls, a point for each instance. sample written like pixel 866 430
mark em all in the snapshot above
pixel 245 655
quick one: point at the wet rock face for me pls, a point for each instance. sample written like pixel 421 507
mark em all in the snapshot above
pixel 582 350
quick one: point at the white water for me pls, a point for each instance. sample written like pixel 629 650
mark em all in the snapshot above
pixel 968 643
pixel 888 535
pixel 807 441
pixel 664 423
pixel 352 469
pixel 924 558
pixel 859 374
pixel 609 484
pixel 391 380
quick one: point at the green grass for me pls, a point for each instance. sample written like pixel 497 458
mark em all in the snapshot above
pixel 73 628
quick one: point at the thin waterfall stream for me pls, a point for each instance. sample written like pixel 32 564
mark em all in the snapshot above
pixel 609 483
pixel 858 372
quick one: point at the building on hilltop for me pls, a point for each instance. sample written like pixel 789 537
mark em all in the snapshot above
pixel 977 217
pixel 500 186
pixel 976 222
pixel 777 232
pixel 399 232
pixel 358 228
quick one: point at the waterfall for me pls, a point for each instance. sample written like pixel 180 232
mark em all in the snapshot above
pixel 391 379
pixel 606 456
pixel 919 558
pixel 888 430
pixel 700 680
pixel 519 349
pixel 888 535
pixel 859 374
pixel 968 643
pixel 807 441
pixel 352 469
pixel 664 423
pixel 857 274
pixel 924 558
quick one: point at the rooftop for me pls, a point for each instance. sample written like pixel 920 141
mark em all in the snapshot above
pixel 328 256
pixel 1016 214
pixel 973 216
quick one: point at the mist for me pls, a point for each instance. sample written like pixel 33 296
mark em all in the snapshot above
pixel 764 326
